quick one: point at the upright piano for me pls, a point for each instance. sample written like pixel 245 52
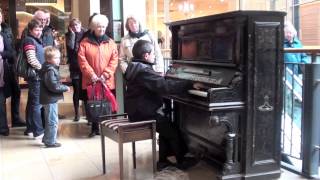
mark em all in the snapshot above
pixel 234 121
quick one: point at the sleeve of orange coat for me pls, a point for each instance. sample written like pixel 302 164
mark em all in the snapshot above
pixel 85 68
pixel 113 62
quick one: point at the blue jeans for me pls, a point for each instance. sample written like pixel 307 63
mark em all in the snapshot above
pixel 51 126
pixel 33 109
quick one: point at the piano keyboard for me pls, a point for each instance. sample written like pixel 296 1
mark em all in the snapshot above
pixel 198 93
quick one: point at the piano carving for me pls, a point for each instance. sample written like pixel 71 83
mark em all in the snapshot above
pixel 234 122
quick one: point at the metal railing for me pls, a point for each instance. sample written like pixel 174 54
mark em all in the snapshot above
pixel 300 119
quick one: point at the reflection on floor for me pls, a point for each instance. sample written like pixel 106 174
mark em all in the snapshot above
pixel 79 157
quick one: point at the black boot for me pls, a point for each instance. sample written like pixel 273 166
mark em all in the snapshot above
pixel 76 111
pixel 76 118
pixel 18 123
pixel 94 129
pixel 187 163
pixel 4 132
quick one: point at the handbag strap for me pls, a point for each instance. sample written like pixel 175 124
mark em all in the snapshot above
pixel 93 94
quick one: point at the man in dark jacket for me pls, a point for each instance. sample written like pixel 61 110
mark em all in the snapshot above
pixel 143 101
pixel 47 32
pixel 11 78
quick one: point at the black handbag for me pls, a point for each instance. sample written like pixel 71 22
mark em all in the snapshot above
pixel 97 106
pixel 23 68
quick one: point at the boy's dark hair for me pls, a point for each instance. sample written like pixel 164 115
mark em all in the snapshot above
pixel 140 48
pixel 34 24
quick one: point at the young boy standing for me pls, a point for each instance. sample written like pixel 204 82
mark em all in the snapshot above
pixel 143 101
pixel 51 90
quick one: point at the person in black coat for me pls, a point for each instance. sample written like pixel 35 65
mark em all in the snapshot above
pixel 143 101
pixel 6 55
pixel 12 80
pixel 73 38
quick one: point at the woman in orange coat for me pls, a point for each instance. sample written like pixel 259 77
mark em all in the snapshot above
pixel 98 59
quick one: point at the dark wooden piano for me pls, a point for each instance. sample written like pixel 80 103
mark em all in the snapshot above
pixel 234 122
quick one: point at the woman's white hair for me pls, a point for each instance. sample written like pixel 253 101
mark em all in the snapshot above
pixel 288 27
pixel 97 20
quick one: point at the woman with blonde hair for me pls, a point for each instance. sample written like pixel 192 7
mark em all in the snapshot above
pixel 135 33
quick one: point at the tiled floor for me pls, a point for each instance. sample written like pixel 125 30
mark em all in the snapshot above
pixel 22 158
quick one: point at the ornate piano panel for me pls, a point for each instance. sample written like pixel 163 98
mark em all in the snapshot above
pixel 234 121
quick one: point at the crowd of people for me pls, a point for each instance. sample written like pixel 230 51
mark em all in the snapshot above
pixel 93 58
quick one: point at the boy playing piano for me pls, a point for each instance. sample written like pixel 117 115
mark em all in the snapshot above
pixel 143 101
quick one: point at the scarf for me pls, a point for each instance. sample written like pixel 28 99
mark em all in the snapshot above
pixel 137 34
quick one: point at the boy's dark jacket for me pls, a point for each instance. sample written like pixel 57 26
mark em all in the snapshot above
pixel 51 89
pixel 145 89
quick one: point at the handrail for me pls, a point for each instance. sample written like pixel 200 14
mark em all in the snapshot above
pixel 304 49
pixel 312 50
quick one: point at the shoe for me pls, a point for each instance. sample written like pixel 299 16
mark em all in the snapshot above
pixel 27 133
pixel 53 145
pixel 18 124
pixel 92 134
pixel 164 164
pixel 60 116
pixel 187 163
pixel 4 133
pixel 39 136
pixel 76 119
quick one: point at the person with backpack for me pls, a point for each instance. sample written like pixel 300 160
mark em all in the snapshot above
pixel 135 33
pixel 34 53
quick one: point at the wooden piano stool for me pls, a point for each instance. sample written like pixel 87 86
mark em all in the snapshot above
pixel 118 128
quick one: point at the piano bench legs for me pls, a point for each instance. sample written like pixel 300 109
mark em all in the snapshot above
pixel 123 131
